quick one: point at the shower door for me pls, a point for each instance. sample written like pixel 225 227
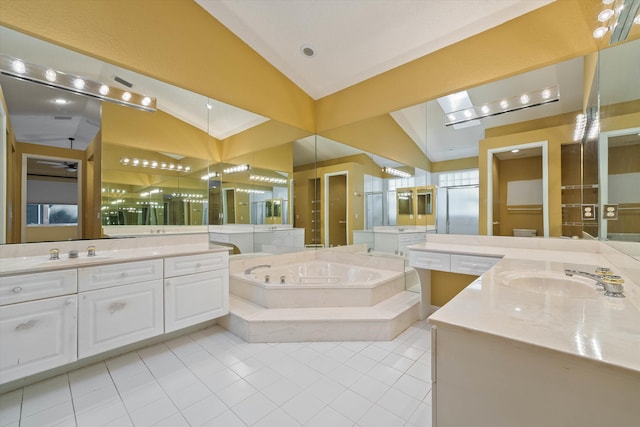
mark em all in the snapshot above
pixel 463 210
pixel 374 210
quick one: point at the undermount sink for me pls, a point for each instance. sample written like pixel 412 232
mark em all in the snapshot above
pixel 550 283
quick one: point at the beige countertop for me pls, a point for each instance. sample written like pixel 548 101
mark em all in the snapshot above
pixel 585 324
pixel 34 257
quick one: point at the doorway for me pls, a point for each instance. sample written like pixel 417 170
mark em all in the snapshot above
pixel 336 203
pixel 52 198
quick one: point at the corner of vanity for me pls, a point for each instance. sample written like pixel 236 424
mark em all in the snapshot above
pixel 546 349
pixel 110 295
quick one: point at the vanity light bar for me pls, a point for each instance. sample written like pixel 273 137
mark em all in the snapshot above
pixel 249 190
pixel 19 69
pixel 395 172
pixel 267 179
pixel 587 125
pixel 154 165
pixel 209 176
pixel 236 169
pixel 187 195
pixel 504 105
pixel 618 17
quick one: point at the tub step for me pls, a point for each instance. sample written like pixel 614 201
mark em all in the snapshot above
pixel 381 322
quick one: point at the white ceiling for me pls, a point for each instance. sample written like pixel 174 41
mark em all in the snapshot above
pixel 356 39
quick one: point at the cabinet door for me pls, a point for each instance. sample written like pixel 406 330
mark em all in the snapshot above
pixel 124 273
pixel 195 298
pixel 430 260
pixel 36 336
pixel 113 317
pixel 470 264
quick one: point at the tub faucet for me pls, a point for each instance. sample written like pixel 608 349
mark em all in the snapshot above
pixel 250 269
pixel 612 284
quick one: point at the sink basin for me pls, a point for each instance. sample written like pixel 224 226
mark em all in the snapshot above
pixel 550 283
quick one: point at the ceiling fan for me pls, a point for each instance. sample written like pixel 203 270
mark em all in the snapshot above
pixel 69 166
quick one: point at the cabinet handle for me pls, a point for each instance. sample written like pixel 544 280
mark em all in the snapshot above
pixel 17 289
pixel 198 264
pixel 26 325
pixel 124 274
pixel 116 306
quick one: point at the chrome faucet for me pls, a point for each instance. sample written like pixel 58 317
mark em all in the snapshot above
pixel 250 269
pixel 612 284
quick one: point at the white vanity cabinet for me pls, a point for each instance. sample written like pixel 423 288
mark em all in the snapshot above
pixel 397 242
pixel 37 333
pixel 126 305
pixel 451 262
pixel 196 289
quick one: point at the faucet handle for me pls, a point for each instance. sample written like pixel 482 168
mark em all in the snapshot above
pixel 54 253
pixel 604 271
pixel 613 286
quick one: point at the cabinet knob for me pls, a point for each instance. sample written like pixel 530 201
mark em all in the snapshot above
pixel 26 325
pixel 17 289
pixel 198 264
pixel 124 274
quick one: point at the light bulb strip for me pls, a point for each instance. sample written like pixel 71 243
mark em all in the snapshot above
pixel 395 172
pixel 152 164
pixel 236 169
pixel 19 69
pixel 267 179
pixel 505 105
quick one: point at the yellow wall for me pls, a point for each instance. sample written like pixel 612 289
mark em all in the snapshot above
pixel 555 137
pixel 445 286
pixel 52 233
pixel 455 165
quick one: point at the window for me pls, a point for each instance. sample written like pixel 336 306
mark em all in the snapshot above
pixel 38 214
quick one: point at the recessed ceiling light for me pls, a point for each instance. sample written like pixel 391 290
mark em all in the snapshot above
pixel 605 15
pixel 515 150
pixel 637 20
pixel 600 32
pixel 60 101
pixel 308 50
pixel 607 1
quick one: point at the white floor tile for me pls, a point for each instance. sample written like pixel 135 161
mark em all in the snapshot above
pixel 421 416
pixel 380 417
pixel 153 413
pixel 277 418
pixel 412 386
pixel 236 392
pixel 59 413
pixel 254 408
pixel 370 388
pixel 351 405
pixel 226 419
pixel 281 391
pixel 303 407
pixel 263 378
pixel 398 403
pixel 204 410
pixel 329 417
pixel 46 394
pixel 213 378
pixel 326 389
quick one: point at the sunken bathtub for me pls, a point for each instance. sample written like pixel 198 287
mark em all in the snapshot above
pixel 281 283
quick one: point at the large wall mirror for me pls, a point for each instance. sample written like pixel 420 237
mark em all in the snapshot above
pixel 474 176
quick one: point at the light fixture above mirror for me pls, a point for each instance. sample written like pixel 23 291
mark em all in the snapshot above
pixel 19 69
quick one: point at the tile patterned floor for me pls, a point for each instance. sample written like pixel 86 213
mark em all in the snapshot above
pixel 213 378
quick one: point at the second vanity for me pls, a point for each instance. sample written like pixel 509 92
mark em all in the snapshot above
pixel 55 312
pixel 525 344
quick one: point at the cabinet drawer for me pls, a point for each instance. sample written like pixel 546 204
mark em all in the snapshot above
pixel 470 264
pixel 189 264
pixel 113 317
pixel 106 276
pixel 430 260
pixel 195 298
pixel 28 287
pixel 36 336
